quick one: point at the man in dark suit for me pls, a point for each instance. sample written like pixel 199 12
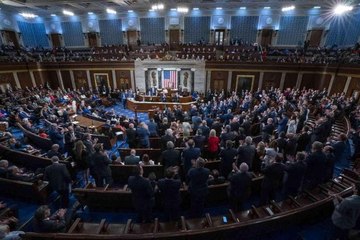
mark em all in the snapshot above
pixel 190 154
pixel 267 130
pixel 166 138
pixel 227 156
pixel 170 157
pixel 240 187
pixel 246 152
pixel 54 151
pixel 198 187
pixel 273 176
pixel 57 137
pixel 131 136
pixel 101 166
pixel 295 174
pixel 170 192
pixel 142 195
pixel 59 180
pixel 132 159
pixel 316 166
pixel 153 128
pixel 199 139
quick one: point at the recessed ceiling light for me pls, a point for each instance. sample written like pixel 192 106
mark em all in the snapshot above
pixel 182 9
pixel 110 11
pixel 151 10
pixel 53 15
pixel 65 12
pixel 173 9
pixel 285 9
pixel 317 7
pixel 267 7
pixel 218 8
pixel 242 8
pixel 341 9
pixel 130 11
pixel 90 13
pixel 28 15
pixel 195 9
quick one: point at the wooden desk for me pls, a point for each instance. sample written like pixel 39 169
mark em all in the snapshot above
pixel 87 122
pixel 146 106
pixel 146 98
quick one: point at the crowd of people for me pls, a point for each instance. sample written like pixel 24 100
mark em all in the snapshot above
pixel 267 132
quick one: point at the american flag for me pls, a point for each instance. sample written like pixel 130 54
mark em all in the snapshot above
pixel 170 79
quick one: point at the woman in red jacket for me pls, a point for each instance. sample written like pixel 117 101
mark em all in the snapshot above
pixel 213 145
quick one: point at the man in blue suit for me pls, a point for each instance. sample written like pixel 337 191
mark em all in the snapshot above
pixel 142 195
pixel 143 134
pixel 153 128
pixel 198 187
pixel 190 154
pixel 282 123
pixel 57 137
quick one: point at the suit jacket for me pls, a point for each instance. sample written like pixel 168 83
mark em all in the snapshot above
pixel 142 192
pixel 188 155
pixel 101 164
pixel 295 175
pixel 131 137
pixel 165 139
pixel 246 154
pixel 153 128
pixel 170 191
pixel 50 226
pixel 143 137
pixel 227 158
pixel 57 138
pixel 58 176
pixel 240 185
pixel 199 141
pixel 170 158
pixel 273 175
pixel 316 168
pixel 132 160
pixel 198 181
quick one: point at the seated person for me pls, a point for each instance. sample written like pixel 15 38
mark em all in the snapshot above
pixel 42 133
pixel 4 165
pixel 132 159
pixel 215 178
pixel 146 160
pixel 6 234
pixel 54 151
pixel 116 160
pixel 58 222
pixel 18 174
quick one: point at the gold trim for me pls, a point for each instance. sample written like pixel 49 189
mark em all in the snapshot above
pixel 245 76
pixel 101 74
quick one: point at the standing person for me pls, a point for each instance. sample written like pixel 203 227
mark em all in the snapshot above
pixel 79 156
pixel 198 187
pixel 228 156
pixel 346 213
pixel 143 135
pixel 57 137
pixel 189 155
pixel 170 192
pixel 101 166
pixel 213 144
pixel 246 152
pixel 295 170
pixel 316 166
pixel 59 180
pixel 131 136
pixel 240 186
pixel 142 195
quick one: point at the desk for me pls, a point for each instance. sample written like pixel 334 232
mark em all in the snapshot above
pixel 87 122
pixel 155 99
pixel 146 106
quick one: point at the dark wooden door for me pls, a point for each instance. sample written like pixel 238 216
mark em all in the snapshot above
pixel 132 37
pixel 174 38
pixel 56 39
pixel 11 38
pixel 218 85
pixel 315 37
pixel 93 40
pixel 266 37
pixel 219 37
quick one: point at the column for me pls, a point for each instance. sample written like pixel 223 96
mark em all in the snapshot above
pixel 61 83
pixel 72 79
pixel 32 78
pixel 208 79
pixel 282 80
pixel 132 79
pixel 229 81
pixel 114 79
pixel 89 79
pixel 348 80
pixel 331 82
pixel 16 80
pixel 298 80
pixel 261 80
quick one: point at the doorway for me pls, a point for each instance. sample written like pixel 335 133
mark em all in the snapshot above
pixel 244 82
pixel 56 39
pixel 93 39
pixel 266 37
pixel 174 38
pixel 219 37
pixel 316 37
pixel 132 37
pixel 11 38
pixel 218 85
